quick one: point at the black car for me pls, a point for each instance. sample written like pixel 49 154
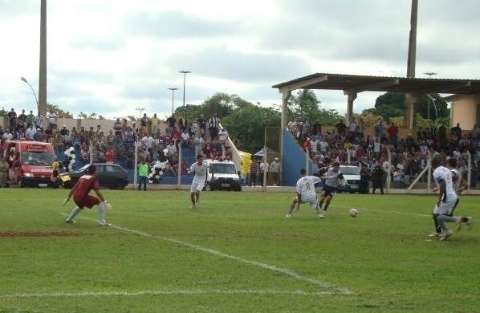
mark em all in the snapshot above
pixel 109 176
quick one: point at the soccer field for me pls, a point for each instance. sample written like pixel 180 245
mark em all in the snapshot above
pixel 236 253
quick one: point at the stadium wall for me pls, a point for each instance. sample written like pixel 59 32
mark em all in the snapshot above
pixel 294 159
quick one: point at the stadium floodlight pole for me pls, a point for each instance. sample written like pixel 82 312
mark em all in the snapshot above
pixel 31 88
pixel 173 90
pixel 42 82
pixel 184 72
pixel 412 46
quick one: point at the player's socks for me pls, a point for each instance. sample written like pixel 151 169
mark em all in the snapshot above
pixel 326 206
pixel 292 207
pixel 101 213
pixel 73 214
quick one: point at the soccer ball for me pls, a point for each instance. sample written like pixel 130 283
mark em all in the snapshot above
pixel 354 212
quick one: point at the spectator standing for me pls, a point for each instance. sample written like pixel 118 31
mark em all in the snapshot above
pixel 142 175
pixel 457 131
pixel 274 172
pixel 52 120
pixel 263 171
pixel 22 121
pixel 253 172
pixel 198 143
pixel 364 178
pixel 393 134
pixel 3 172
pixel 379 128
pixel 213 125
pixel 12 120
pixel 155 125
pixel 378 176
pixel 31 119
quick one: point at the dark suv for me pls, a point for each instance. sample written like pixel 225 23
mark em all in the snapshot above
pixel 109 175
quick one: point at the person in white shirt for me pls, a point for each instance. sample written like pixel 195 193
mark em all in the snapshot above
pixel 199 170
pixel 447 201
pixel 30 132
pixel 306 193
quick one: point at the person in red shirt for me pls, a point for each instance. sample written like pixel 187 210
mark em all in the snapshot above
pixel 109 155
pixel 82 199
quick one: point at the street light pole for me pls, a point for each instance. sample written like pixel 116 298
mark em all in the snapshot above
pixel 173 89
pixel 184 83
pixel 33 90
pixel 431 74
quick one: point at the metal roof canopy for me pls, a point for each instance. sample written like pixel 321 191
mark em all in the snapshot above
pixel 351 84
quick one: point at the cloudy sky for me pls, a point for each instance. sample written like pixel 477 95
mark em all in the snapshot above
pixel 113 56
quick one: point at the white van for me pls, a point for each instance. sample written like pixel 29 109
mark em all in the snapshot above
pixel 223 175
pixel 351 175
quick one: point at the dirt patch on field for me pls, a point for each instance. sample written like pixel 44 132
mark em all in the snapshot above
pixel 37 234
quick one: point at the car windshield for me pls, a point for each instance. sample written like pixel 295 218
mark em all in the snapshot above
pixel 223 168
pixel 37 158
pixel 351 170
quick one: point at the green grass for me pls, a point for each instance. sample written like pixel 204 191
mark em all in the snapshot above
pixel 381 256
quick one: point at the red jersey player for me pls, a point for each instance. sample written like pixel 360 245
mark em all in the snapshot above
pixel 81 197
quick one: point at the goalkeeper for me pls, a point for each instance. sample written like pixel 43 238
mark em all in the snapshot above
pixel 82 199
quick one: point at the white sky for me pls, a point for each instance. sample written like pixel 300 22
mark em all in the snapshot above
pixel 111 57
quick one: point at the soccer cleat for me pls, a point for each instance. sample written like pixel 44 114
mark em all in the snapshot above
pixel 193 206
pixel 467 221
pixel 434 235
pixel 288 215
pixel 445 235
pixel 104 224
pixel 70 221
pixel 321 216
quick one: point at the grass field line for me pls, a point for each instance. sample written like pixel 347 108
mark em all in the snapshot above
pixel 266 266
pixel 166 292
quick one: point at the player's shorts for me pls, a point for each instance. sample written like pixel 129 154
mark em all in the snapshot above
pixel 88 201
pixel 312 200
pixel 447 207
pixel 197 185
pixel 329 191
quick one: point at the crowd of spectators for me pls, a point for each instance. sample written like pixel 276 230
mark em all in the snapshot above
pixel 158 141
pixel 409 154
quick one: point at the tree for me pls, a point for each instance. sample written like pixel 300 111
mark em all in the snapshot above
pixel 220 104
pixel 247 125
pixel 59 112
pixel 190 111
pixel 305 106
pixel 392 104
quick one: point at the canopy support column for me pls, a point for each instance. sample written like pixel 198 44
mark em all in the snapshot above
pixel 351 99
pixel 285 97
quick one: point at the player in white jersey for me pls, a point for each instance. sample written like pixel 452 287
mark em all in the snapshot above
pixel 306 193
pixel 199 170
pixel 447 201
